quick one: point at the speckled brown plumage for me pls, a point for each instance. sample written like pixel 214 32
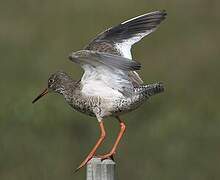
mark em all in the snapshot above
pixel 110 85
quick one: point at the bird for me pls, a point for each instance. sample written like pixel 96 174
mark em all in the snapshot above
pixel 110 85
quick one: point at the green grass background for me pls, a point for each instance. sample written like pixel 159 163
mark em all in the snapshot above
pixel 174 136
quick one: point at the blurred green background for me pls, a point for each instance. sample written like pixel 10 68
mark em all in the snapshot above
pixel 175 135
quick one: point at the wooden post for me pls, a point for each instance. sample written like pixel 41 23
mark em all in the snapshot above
pixel 100 170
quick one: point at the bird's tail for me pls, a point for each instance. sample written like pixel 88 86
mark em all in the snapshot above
pixel 152 89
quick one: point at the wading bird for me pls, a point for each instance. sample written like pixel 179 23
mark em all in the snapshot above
pixel 110 85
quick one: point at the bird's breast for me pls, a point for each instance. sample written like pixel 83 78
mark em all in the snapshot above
pixel 98 106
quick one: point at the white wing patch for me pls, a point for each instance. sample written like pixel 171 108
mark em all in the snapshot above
pixel 125 46
pixel 120 38
pixel 124 49
pixel 104 82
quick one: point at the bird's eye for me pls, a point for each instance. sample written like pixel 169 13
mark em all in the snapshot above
pixel 51 80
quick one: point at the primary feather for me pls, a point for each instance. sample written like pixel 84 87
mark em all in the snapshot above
pixel 119 39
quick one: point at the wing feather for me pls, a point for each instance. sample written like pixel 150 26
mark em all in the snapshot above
pixel 95 59
pixel 124 35
pixel 107 73
pixel 119 39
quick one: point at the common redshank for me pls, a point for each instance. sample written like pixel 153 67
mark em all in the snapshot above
pixel 110 85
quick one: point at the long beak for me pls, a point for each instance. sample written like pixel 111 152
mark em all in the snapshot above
pixel 41 95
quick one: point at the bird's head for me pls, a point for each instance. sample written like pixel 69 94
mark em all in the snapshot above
pixel 57 83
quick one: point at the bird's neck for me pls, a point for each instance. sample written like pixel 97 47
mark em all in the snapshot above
pixel 71 89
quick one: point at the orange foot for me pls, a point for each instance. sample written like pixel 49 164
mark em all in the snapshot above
pixel 98 143
pixel 101 138
pixel 107 156
pixel 103 157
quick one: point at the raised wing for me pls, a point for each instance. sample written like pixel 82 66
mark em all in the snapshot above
pixel 104 72
pixel 119 39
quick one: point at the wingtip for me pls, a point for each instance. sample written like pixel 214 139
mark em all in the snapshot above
pixel 162 15
pixel 162 12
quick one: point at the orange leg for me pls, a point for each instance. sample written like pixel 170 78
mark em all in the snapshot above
pixel 113 150
pixel 98 143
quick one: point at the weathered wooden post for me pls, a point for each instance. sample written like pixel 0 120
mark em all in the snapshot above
pixel 100 170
